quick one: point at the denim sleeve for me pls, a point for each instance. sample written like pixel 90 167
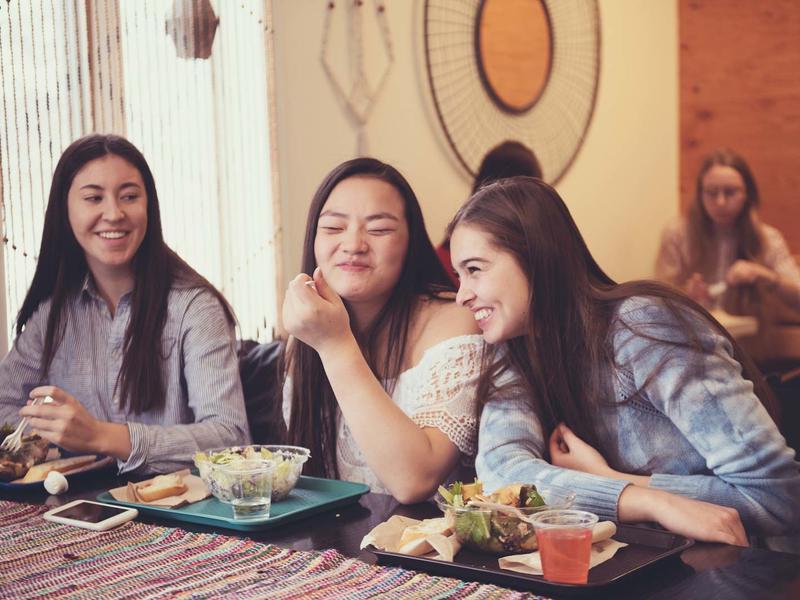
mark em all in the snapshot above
pixel 510 449
pixel 704 394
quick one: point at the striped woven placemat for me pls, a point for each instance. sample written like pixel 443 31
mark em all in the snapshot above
pixel 43 559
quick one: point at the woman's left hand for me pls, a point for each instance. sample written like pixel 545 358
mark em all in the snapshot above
pixel 65 422
pixel 568 451
pixel 746 272
pixel 315 315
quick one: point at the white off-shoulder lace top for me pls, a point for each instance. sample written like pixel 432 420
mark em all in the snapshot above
pixel 439 391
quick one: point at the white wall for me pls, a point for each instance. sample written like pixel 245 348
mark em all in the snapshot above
pixel 622 187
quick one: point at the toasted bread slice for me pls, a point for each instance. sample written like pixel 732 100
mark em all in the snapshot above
pixel 62 465
pixel 425 528
pixel 161 486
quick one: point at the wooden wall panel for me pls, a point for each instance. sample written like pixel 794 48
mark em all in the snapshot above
pixel 740 87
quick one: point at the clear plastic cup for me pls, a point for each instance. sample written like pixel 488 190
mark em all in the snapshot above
pixel 565 544
pixel 250 483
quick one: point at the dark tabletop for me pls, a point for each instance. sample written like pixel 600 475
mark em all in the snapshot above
pixel 702 571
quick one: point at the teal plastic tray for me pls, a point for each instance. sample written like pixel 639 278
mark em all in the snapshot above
pixel 311 495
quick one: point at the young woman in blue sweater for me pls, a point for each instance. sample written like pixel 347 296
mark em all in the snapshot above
pixel 630 394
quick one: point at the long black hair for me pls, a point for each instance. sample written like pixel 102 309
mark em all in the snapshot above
pixel 62 269
pixel 314 408
pixel 565 355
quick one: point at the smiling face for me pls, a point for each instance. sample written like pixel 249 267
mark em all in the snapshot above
pixel 492 284
pixel 107 209
pixel 724 195
pixel 362 240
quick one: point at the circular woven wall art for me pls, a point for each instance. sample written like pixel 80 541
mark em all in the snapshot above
pixel 524 70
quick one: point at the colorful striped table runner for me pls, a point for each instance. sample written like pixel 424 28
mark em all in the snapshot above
pixel 43 559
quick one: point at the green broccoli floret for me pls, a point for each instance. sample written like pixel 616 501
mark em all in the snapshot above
pixel 533 498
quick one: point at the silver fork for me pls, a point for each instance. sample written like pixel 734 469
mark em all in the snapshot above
pixel 13 441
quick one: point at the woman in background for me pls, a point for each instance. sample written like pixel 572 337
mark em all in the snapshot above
pixel 721 250
pixel 634 394
pixel 382 365
pixel 136 349
pixel 507 159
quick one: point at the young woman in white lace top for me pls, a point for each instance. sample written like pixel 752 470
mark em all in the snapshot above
pixel 721 240
pixel 382 367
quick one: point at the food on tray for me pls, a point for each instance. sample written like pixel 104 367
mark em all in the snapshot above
pixel 14 465
pixel 39 472
pixel 162 486
pixel 496 530
pixel 55 483
pixel 442 526
pixel 288 461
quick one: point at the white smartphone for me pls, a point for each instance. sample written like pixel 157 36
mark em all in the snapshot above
pixel 91 515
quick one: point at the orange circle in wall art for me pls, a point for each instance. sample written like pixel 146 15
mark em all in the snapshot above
pixel 514 51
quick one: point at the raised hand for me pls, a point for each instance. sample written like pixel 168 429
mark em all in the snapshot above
pixel 697 289
pixel 746 272
pixel 64 422
pixel 315 314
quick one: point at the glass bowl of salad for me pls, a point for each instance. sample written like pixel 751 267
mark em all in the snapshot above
pixel 288 463
pixel 497 529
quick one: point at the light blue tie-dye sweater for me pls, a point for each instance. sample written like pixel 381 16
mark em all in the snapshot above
pixel 697 429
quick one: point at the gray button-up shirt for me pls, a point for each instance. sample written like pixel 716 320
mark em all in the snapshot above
pixel 204 406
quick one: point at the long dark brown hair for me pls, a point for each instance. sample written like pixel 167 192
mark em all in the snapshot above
pixel 62 269
pixel 564 359
pixel 700 228
pixel 314 408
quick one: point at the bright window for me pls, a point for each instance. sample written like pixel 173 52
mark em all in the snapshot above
pixel 203 123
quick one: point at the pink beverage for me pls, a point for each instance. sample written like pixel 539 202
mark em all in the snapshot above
pixel 565 553
pixel 565 544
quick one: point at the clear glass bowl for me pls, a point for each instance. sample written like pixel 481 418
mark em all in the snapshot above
pixel 499 532
pixel 288 462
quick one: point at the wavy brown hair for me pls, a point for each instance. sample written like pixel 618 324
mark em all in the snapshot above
pixel 313 405
pixel 62 269
pixel 564 359
pixel 700 229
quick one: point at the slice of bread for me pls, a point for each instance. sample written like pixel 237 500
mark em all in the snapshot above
pixel 62 465
pixel 161 486
pixel 425 528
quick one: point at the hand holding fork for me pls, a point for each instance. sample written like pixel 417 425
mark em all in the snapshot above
pixel 13 441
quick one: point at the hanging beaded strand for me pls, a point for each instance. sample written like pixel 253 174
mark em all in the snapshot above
pixel 361 99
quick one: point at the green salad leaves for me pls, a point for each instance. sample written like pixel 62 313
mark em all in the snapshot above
pixel 491 530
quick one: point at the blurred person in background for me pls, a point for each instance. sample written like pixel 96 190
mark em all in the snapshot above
pixel 720 253
pixel 507 159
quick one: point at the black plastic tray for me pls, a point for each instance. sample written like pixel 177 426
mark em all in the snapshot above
pixel 645 547
pixel 102 463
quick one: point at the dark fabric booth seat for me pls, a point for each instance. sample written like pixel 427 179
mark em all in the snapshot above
pixel 259 368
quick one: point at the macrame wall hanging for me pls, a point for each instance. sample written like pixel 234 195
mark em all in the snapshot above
pixel 357 90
